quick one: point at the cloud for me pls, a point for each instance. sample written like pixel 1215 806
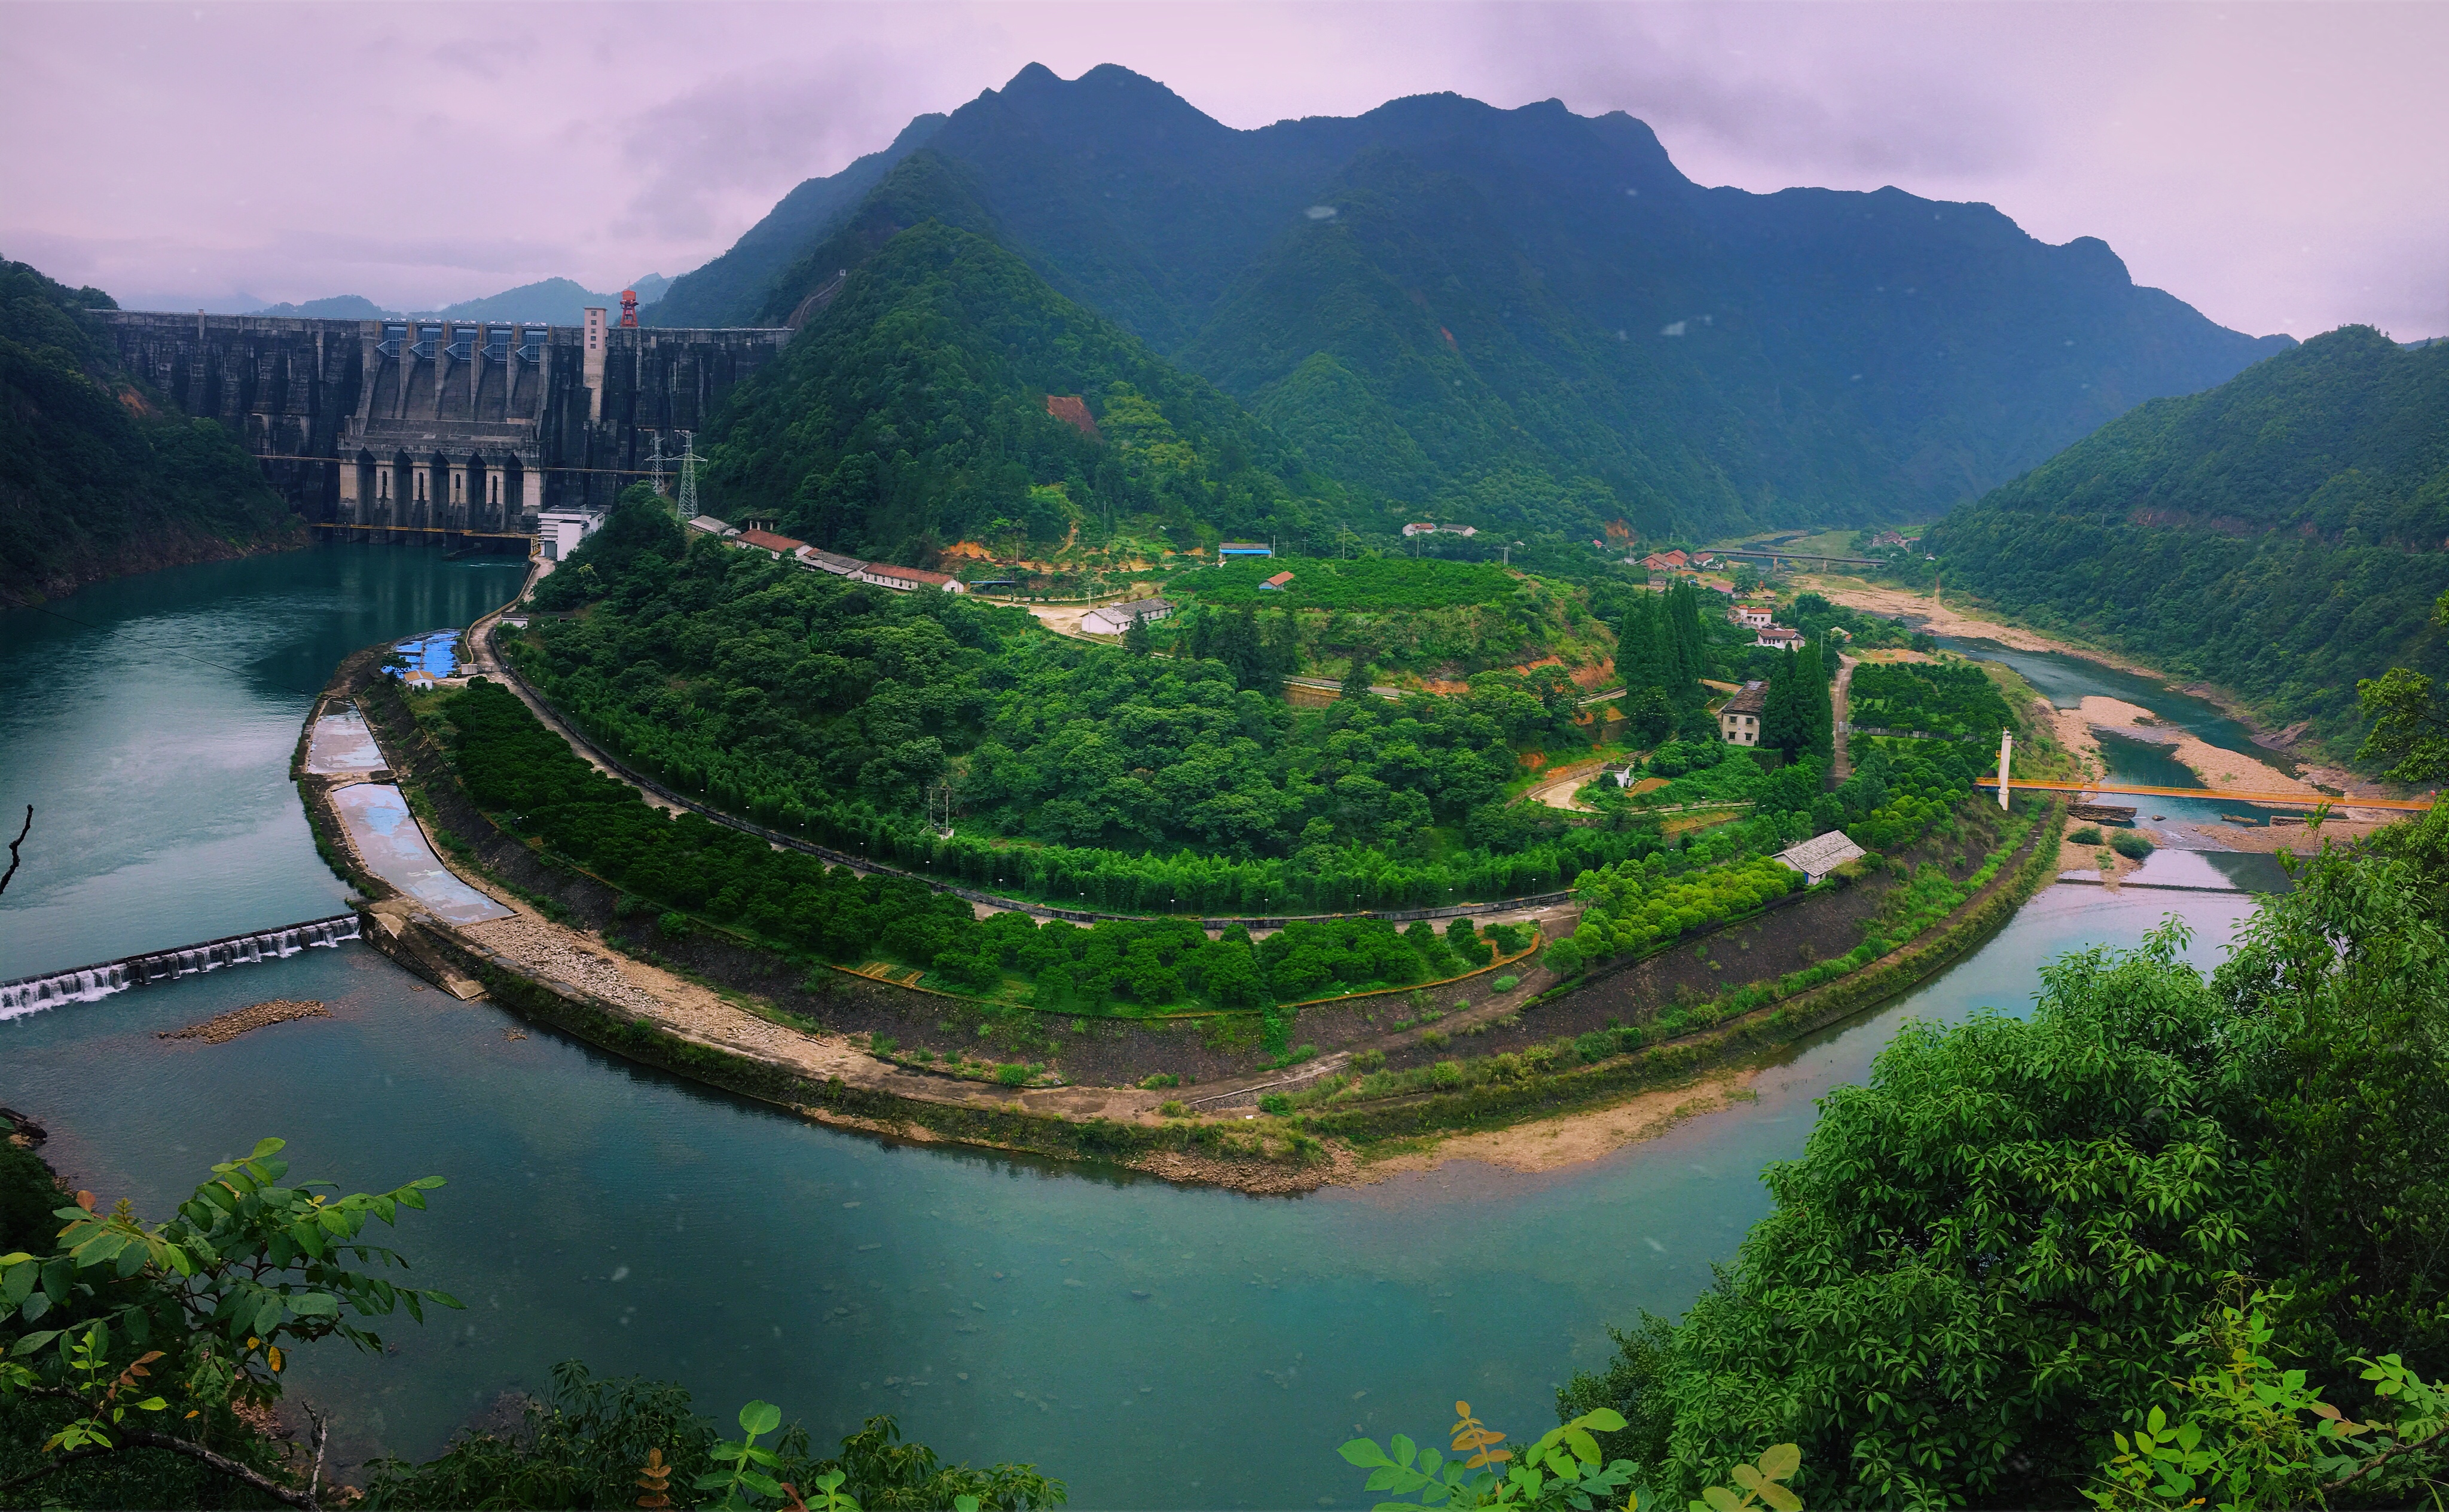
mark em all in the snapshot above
pixel 1816 90
pixel 746 138
pixel 2274 164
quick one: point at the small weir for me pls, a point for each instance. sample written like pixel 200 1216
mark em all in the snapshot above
pixel 90 982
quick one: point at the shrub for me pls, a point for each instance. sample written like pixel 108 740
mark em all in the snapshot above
pixel 1369 1059
pixel 1013 1076
pixel 1171 1108
pixel 882 1043
pixel 2132 844
pixel 1434 1039
pixel 1510 938
pixel 1506 983
pixel 1162 1079
pixel 675 925
pixel 1276 1103
pixel 2088 835
pixel 1446 1073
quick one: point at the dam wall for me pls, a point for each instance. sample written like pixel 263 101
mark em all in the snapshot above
pixel 417 428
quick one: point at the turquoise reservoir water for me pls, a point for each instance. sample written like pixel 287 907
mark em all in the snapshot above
pixel 153 740
pixel 1154 1346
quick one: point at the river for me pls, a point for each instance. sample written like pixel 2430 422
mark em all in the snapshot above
pixel 1153 1346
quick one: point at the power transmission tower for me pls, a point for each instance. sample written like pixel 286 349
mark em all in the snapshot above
pixel 688 475
pixel 655 466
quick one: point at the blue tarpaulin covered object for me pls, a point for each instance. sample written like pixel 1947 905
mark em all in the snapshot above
pixel 434 653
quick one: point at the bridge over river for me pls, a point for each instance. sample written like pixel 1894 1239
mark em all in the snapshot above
pixel 2289 800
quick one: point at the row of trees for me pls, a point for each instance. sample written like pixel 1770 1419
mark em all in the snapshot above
pixel 1955 698
pixel 844 713
pixel 514 767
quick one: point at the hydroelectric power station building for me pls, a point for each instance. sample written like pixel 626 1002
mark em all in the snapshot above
pixel 426 429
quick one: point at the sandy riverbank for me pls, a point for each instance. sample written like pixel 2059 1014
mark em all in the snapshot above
pixel 2219 769
pixel 1549 1144
pixel 1940 617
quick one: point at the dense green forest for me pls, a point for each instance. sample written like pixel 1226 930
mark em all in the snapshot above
pixel 913 413
pixel 2214 1197
pixel 1529 318
pixel 98 475
pixel 1070 770
pixel 1948 698
pixel 2282 535
pixel 528 777
pixel 1426 617
pixel 868 720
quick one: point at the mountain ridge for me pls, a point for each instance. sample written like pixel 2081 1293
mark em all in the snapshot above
pixel 1687 357
pixel 2284 534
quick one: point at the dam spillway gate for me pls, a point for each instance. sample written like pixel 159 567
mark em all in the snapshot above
pixel 413 429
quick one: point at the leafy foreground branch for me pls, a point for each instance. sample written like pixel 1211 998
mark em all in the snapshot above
pixel 137 1361
pixel 2003 1247
pixel 1562 1470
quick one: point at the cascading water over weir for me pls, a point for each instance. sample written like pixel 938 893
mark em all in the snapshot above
pixel 90 982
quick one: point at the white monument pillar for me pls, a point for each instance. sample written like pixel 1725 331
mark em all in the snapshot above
pixel 2006 749
pixel 594 362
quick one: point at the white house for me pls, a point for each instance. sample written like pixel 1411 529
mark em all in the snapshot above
pixel 1778 638
pixel 558 531
pixel 904 580
pixel 1754 616
pixel 713 526
pixel 1821 854
pixel 1114 618
pixel 1739 717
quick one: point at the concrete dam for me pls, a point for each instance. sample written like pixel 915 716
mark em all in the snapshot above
pixel 425 429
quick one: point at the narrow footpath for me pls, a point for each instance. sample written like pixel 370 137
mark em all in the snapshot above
pixel 1840 766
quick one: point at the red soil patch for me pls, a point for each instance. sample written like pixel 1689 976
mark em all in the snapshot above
pixel 1073 410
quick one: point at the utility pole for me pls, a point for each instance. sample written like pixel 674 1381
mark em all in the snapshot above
pixel 655 466
pixel 688 475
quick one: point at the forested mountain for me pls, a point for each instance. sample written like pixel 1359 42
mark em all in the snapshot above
pixel 2282 535
pixel 1532 317
pixel 914 412
pixel 728 290
pixel 98 476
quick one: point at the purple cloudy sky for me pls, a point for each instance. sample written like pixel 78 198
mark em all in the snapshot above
pixel 2280 166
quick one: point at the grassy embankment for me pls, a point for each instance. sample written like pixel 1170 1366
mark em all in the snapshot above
pixel 1391 1098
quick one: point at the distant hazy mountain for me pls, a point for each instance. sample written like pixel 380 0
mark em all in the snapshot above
pixel 2283 534
pixel 1529 314
pixel 557 301
pixel 726 290
pixel 339 307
